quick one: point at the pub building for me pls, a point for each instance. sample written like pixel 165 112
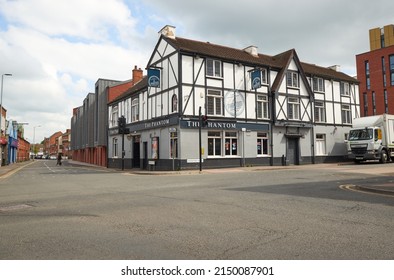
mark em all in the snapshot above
pixel 249 108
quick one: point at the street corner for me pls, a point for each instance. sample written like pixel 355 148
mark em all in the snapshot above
pixel 386 189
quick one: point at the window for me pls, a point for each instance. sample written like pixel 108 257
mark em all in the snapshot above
pixel 114 117
pixel 320 144
pixel 318 84
pixel 231 144
pixel 135 110
pixel 292 79
pixel 262 107
pixel 344 88
pixel 262 143
pixel 367 75
pixel 214 103
pixel 174 103
pixel 293 108
pixel 386 102
pixel 392 70
pixel 214 68
pixel 214 143
pixel 374 103
pixel 264 79
pixel 320 115
pixel 115 147
pixel 365 104
pixel 173 145
pixel 346 114
pixel 127 113
pixel 384 72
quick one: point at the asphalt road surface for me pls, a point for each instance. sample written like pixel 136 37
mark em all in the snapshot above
pixel 79 212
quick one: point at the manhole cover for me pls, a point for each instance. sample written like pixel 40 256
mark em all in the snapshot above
pixel 14 207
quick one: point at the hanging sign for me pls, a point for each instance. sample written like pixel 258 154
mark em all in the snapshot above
pixel 256 79
pixel 153 77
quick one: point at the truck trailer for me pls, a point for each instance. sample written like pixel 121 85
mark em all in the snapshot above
pixel 372 138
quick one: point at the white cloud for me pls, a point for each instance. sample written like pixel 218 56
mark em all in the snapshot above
pixel 56 50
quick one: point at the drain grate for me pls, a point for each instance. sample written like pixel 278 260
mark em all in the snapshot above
pixel 14 207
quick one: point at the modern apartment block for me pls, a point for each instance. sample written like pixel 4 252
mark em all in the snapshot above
pixel 375 71
pixel 89 123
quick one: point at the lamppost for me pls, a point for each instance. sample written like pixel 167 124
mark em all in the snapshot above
pixel 34 139
pixel 1 99
pixel 1 115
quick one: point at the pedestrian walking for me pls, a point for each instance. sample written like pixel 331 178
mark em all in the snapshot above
pixel 59 159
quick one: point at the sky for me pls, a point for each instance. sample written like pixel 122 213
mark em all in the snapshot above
pixel 57 49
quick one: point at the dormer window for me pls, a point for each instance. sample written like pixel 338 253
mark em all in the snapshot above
pixel 292 79
pixel 214 68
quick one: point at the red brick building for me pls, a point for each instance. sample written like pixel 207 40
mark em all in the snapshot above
pixel 23 148
pixel 53 143
pixel 375 71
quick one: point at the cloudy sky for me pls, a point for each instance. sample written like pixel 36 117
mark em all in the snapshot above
pixel 57 49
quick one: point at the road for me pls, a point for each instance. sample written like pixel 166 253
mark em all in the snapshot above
pixel 78 212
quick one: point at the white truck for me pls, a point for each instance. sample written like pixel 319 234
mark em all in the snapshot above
pixel 372 138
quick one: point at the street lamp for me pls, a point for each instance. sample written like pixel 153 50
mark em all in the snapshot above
pixel 1 115
pixel 1 101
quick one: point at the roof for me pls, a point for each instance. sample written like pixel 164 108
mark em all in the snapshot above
pixel 135 88
pixel 238 55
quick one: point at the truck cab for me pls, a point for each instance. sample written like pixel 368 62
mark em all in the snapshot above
pixel 365 143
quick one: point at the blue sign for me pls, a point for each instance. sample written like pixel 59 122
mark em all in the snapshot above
pixel 153 77
pixel 256 79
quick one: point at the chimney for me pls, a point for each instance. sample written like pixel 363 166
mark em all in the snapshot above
pixel 168 31
pixel 137 74
pixel 336 68
pixel 252 50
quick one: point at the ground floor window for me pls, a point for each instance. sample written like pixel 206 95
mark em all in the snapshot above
pixel 231 144
pixel 222 144
pixel 173 145
pixel 115 147
pixel 320 144
pixel 262 143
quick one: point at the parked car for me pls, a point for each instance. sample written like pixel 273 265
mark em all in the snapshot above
pixel 53 157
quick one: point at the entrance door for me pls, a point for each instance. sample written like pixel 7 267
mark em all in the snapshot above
pixel 136 152
pixel 293 151
pixel 145 155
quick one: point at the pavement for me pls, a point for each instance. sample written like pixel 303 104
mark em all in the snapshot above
pixel 383 189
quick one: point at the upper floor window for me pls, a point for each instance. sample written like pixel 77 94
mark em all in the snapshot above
pixel 292 79
pixel 262 107
pixel 135 116
pixel 264 79
pixel 293 108
pixel 114 116
pixel 318 84
pixel 215 103
pixel 365 96
pixel 344 88
pixel 346 114
pixel 320 115
pixel 392 70
pixel 214 68
pixel 174 103
pixel 367 78
pixel 384 72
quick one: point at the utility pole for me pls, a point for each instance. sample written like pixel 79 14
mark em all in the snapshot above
pixel 199 137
